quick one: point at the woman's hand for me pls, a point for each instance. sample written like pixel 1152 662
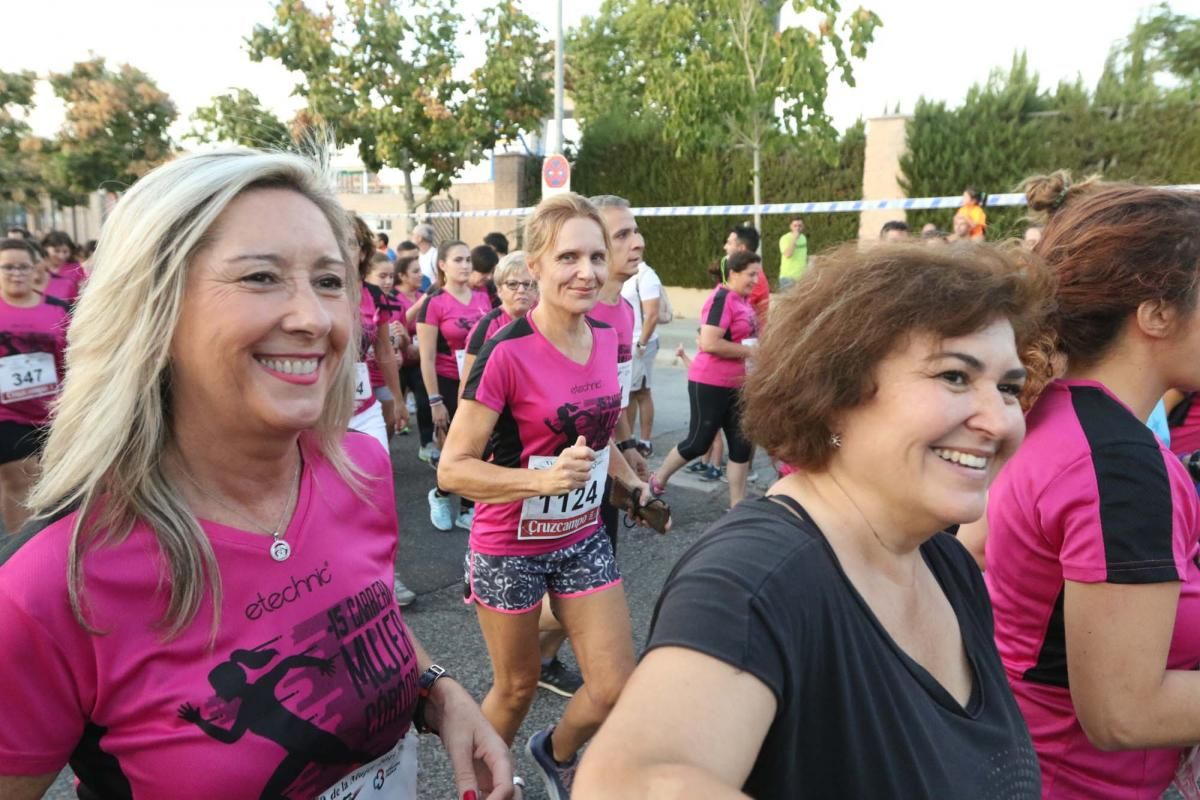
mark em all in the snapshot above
pixel 478 755
pixel 441 423
pixel 571 471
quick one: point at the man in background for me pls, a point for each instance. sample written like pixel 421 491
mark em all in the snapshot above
pixel 745 238
pixel 644 292
pixel 381 244
pixel 498 242
pixel 422 236
pixel 793 254
pixel 894 230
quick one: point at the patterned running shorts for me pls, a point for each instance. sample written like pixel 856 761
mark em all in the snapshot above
pixel 516 584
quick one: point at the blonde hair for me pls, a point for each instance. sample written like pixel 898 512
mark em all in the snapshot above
pixel 551 214
pixel 112 423
pixel 509 266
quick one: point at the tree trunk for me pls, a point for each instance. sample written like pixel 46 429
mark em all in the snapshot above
pixel 757 149
pixel 410 199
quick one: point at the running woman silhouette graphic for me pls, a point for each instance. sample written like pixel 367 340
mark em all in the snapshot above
pixel 261 712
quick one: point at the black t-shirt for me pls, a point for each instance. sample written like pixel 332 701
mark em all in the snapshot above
pixel 856 717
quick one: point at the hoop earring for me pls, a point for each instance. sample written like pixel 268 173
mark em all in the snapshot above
pixel 836 440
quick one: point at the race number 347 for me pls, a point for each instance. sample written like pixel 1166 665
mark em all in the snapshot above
pixel 556 516
pixel 26 376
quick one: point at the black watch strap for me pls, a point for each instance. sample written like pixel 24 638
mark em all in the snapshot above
pixel 627 444
pixel 424 685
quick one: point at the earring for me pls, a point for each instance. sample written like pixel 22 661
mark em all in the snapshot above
pixel 836 440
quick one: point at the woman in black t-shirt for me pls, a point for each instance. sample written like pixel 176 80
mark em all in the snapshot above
pixel 827 640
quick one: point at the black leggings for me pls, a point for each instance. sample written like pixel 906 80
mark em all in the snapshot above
pixel 410 380
pixel 448 389
pixel 714 408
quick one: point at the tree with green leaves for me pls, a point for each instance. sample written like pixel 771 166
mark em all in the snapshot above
pixel 19 175
pixel 719 72
pixel 383 76
pixel 238 117
pixel 115 129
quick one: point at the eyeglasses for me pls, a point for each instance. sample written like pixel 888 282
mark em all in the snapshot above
pixel 513 286
pixel 17 268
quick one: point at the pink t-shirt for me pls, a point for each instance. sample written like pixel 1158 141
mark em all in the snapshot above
pixel 619 316
pixel 454 320
pixel 312 673
pixel 729 311
pixel 32 342
pixel 1091 496
pixel 66 283
pixel 486 328
pixel 545 402
pixel 370 317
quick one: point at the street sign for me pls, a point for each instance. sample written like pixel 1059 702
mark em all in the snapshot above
pixel 556 175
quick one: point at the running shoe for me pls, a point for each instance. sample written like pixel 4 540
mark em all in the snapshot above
pixel 465 519
pixel 556 777
pixel 404 595
pixel 403 431
pixel 557 677
pixel 696 467
pixel 713 473
pixel 646 448
pixel 440 512
pixel 412 404
pixel 425 452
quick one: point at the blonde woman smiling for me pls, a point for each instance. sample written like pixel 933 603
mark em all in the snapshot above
pixel 212 581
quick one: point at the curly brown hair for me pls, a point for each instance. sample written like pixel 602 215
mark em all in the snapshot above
pixel 830 332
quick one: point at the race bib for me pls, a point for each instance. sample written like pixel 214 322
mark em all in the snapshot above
pixel 553 517
pixel 460 356
pixel 625 376
pixel 362 381
pixel 26 376
pixel 392 776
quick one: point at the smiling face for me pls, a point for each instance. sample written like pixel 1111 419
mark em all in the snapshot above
pixel 744 282
pixel 57 255
pixel 628 244
pixel 265 318
pixel 457 265
pixel 572 270
pixel 16 274
pixel 944 419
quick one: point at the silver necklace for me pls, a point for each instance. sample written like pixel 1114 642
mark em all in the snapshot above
pixel 280 549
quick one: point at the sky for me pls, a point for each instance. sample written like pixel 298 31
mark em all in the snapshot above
pixel 934 48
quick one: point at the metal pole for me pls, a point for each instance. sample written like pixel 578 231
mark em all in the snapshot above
pixel 558 81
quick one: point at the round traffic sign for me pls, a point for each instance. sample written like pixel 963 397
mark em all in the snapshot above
pixel 556 172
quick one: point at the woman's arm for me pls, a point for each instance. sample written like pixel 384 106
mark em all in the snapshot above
pixel 386 356
pixel 462 471
pixel 687 725
pixel 477 754
pixel 427 344
pixel 1118 637
pixel 713 342
pixel 25 787
pixel 410 316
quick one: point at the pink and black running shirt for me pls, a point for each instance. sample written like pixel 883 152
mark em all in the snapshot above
pixel 1091 496
pixel 546 402
pixel 728 310
pixel 454 320
pixel 32 343
pixel 312 673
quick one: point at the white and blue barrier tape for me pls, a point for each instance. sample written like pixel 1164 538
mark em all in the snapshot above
pixel 828 207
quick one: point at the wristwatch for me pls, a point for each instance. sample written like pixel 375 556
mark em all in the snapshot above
pixel 424 686
pixel 627 444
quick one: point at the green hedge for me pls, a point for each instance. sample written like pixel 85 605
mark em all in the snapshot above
pixel 615 157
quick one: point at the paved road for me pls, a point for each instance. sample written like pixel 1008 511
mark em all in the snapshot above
pixel 430 562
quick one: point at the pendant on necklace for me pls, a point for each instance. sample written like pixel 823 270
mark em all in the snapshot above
pixel 280 550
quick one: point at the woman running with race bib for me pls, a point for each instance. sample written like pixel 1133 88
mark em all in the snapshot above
pixel 547 385
pixel 442 327
pixel 33 335
pixel 727 340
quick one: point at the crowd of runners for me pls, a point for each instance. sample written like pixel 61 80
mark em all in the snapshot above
pixel 978 574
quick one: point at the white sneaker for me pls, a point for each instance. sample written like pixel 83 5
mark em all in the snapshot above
pixel 440 513
pixel 404 595
pixel 412 404
pixel 465 519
